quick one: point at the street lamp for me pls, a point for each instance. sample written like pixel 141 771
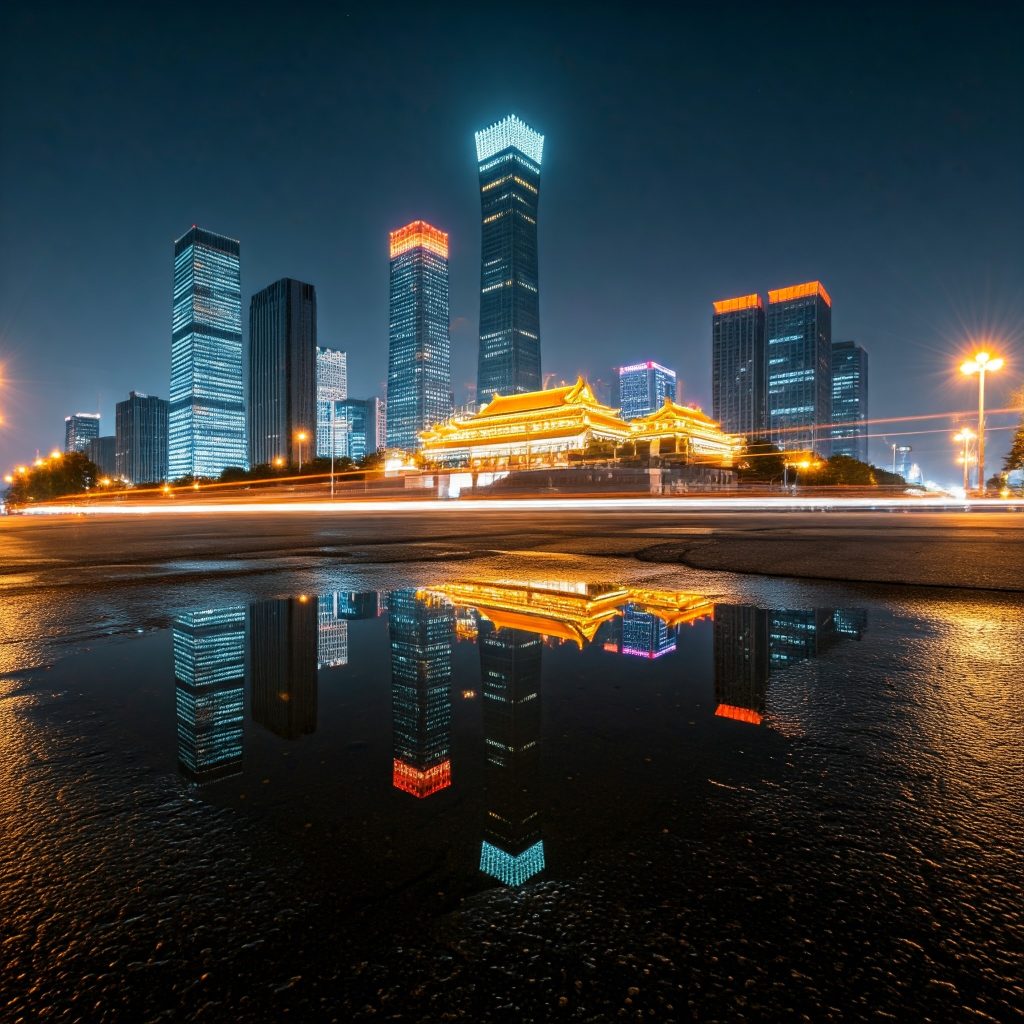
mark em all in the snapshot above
pixel 301 436
pixel 981 364
pixel 965 437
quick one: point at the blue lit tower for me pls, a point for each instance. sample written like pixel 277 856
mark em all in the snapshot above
pixel 282 372
pixel 799 367
pixel 422 633
pixel 850 400
pixel 209 673
pixel 643 388
pixel 512 850
pixel 419 347
pixel 737 365
pixel 206 419
pixel 509 155
pixel 645 635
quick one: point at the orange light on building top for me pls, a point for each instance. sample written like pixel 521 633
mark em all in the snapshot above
pixel 421 782
pixel 419 235
pixel 740 302
pixel 738 714
pixel 799 291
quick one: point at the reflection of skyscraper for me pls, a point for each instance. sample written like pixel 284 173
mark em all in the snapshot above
pixel 422 632
pixel 797 635
pixel 741 662
pixel 209 672
pixel 510 672
pixel 282 660
pixel 644 635
pixel 363 604
pixel 332 633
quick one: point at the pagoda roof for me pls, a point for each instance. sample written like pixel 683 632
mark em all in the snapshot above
pixel 579 393
pixel 671 410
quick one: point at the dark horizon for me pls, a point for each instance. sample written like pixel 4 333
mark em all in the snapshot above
pixel 686 160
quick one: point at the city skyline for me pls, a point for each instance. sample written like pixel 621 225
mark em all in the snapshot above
pixel 966 287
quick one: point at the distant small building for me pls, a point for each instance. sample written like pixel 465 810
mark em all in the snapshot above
pixel 102 453
pixel 643 387
pixel 141 439
pixel 79 430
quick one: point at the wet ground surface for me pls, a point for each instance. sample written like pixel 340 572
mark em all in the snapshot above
pixel 535 789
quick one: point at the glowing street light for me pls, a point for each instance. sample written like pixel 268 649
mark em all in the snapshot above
pixel 981 364
pixel 301 436
pixel 965 437
pixel 9 478
pixel 279 461
pixel 55 454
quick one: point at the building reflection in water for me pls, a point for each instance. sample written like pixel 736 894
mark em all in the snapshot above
pixel 209 696
pixel 283 662
pixel 751 644
pixel 332 633
pixel 422 633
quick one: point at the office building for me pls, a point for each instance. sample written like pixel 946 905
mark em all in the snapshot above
pixel 509 155
pixel 283 638
pixel 422 633
pixel 332 632
pixel 643 388
pixel 799 367
pixel 282 373
pixel 646 635
pixel 331 387
pixel 102 454
pixel 141 439
pixel 741 662
pixel 849 400
pixel 738 365
pixel 79 430
pixel 362 427
pixel 419 348
pixel 209 674
pixel 206 417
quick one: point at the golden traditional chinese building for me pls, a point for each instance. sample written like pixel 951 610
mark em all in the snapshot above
pixel 542 428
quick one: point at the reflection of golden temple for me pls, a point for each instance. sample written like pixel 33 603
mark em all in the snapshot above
pixel 541 428
pixel 421 782
pixel 564 610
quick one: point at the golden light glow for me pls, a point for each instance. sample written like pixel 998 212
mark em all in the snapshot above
pixel 738 714
pixel 279 461
pixel 981 362
pixel 55 454
pixel 302 435
pixel 9 478
pixel 21 470
pixel 738 303
pixel 419 235
pixel 421 782
pixel 799 291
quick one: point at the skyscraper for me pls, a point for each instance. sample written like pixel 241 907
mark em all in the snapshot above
pixel 282 372
pixel 422 631
pixel 850 400
pixel 799 367
pixel 643 388
pixel 206 419
pixel 358 417
pixel 509 155
pixel 209 673
pixel 79 430
pixel 102 454
pixel 332 632
pixel 141 439
pixel 738 366
pixel 331 387
pixel 419 347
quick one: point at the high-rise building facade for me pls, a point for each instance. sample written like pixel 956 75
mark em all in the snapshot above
pixel 102 452
pixel 643 388
pixel 849 400
pixel 738 365
pixel 79 430
pixel 332 632
pixel 331 387
pixel 419 346
pixel 282 372
pixel 645 635
pixel 206 418
pixel 359 416
pixel 799 367
pixel 509 155
pixel 141 439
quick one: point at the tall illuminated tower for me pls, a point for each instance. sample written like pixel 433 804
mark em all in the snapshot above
pixel 509 155
pixel 419 347
pixel 79 430
pixel 799 367
pixel 850 400
pixel 206 419
pixel 643 388
pixel 738 365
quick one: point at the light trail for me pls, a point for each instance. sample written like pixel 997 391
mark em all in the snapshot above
pixel 468 506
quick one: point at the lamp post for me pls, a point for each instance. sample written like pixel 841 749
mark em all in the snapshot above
pixel 301 437
pixel 965 437
pixel 981 364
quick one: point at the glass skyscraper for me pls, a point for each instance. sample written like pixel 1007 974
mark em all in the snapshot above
pixel 282 372
pixel 331 387
pixel 509 155
pixel 849 400
pixel 79 430
pixel 737 359
pixel 419 347
pixel 206 419
pixel 799 367
pixel 141 433
pixel 102 453
pixel 643 388
pixel 360 427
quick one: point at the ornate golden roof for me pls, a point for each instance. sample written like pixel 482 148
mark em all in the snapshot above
pixel 535 401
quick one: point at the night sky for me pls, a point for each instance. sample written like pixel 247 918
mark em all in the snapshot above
pixel 687 157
